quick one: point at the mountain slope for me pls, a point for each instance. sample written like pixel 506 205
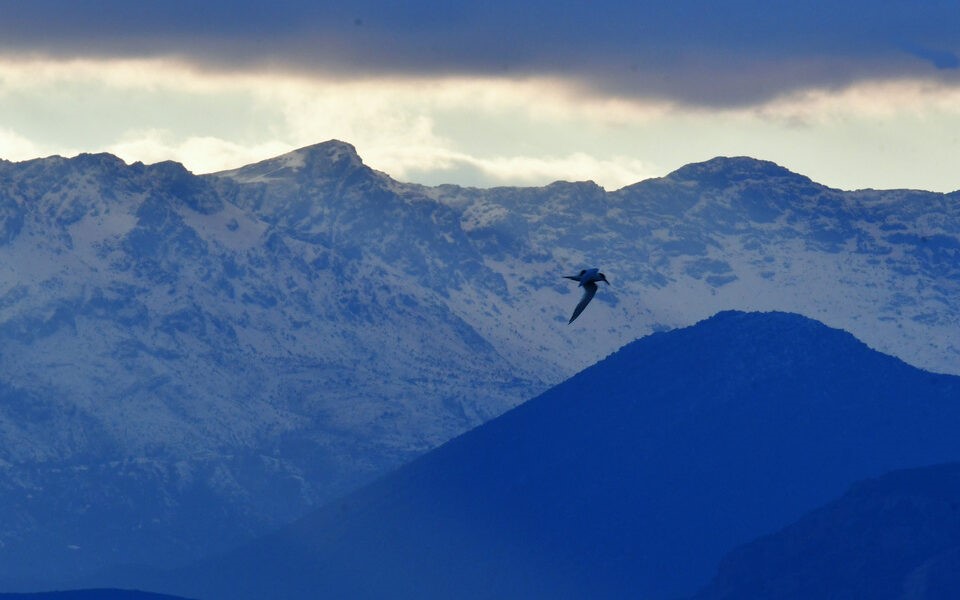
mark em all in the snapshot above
pixel 629 480
pixel 187 362
pixel 894 537
pixel 178 373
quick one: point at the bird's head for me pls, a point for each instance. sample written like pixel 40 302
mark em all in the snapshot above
pixel 603 278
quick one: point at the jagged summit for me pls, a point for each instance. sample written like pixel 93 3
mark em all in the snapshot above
pixel 85 161
pixel 331 152
pixel 329 159
pixel 101 159
pixel 587 187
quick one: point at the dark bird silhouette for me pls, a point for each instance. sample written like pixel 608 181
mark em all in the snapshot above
pixel 588 279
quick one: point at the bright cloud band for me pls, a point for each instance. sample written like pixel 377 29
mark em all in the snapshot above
pixel 469 130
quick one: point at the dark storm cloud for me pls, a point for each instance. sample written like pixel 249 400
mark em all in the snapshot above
pixel 697 51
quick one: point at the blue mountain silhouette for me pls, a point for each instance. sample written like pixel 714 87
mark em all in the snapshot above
pixel 631 479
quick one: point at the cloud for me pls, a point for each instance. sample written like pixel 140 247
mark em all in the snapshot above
pixel 14 146
pixel 698 52
pixel 428 128
pixel 471 130
pixel 201 154
pixel 464 169
pixel 876 100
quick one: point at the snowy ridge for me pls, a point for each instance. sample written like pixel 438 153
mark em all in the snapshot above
pixel 287 330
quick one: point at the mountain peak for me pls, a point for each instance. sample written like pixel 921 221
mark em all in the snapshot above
pixel 331 151
pixel 331 145
pixel 327 159
pixel 86 161
pixel 725 169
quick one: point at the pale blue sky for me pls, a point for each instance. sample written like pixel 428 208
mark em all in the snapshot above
pixel 853 94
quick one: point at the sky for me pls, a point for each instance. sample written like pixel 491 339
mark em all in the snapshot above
pixel 854 94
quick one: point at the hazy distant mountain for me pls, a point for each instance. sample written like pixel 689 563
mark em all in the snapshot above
pixel 96 594
pixel 186 362
pixel 895 537
pixel 629 480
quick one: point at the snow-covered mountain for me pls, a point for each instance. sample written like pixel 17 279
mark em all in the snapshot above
pixel 192 360
pixel 193 370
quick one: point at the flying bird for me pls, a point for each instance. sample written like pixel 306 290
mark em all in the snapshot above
pixel 588 279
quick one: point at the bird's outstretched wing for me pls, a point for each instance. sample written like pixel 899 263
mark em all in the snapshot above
pixel 589 289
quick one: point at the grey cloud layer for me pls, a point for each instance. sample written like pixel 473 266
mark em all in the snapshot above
pixel 697 52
